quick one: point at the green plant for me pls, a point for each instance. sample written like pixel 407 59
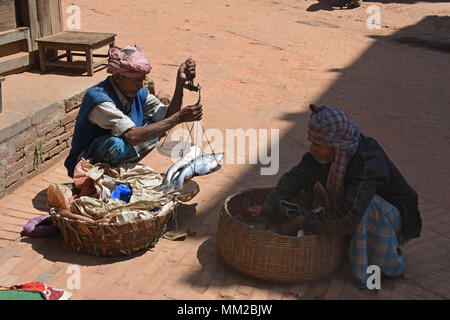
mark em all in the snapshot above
pixel 38 152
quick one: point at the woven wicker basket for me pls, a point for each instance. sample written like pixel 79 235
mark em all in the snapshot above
pixel 270 256
pixel 112 239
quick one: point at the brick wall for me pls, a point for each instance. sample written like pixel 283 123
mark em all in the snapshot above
pixel 35 143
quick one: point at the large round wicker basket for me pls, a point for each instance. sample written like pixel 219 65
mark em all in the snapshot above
pixel 273 257
pixel 112 239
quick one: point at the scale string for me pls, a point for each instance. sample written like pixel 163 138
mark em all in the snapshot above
pixel 190 133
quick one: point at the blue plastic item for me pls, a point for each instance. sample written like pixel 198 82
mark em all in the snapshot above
pixel 122 192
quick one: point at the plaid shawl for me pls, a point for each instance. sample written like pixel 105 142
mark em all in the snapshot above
pixel 376 241
pixel 334 127
pixel 129 61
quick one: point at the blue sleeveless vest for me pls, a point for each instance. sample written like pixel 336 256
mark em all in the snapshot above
pixel 85 132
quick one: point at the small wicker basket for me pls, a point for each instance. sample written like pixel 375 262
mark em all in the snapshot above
pixel 269 256
pixel 112 239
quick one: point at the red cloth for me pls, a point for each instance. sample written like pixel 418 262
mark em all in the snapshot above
pixel 88 188
pixel 80 179
pixel 48 293
pixel 129 61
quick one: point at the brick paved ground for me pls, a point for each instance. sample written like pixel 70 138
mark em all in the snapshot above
pixel 261 63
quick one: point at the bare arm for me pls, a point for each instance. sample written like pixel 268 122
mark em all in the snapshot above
pixel 177 100
pixel 138 135
pixel 185 72
pixel 175 115
pixel 135 136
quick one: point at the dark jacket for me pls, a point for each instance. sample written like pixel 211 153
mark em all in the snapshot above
pixel 369 172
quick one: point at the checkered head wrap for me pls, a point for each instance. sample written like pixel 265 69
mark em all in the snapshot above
pixel 334 127
pixel 129 61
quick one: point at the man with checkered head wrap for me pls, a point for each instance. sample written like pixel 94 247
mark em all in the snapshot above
pixel 347 186
pixel 119 119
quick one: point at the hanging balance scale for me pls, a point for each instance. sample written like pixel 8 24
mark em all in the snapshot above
pixel 167 147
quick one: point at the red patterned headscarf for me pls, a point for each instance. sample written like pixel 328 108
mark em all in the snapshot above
pixel 334 127
pixel 129 61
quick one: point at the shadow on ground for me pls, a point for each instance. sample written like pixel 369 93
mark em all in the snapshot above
pixel 52 249
pixel 377 90
pixel 330 5
pixel 68 72
pixel 40 201
pixel 391 77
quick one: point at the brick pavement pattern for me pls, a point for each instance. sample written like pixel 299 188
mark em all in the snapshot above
pixel 260 64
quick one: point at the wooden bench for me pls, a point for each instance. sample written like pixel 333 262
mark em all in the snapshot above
pixel 1 80
pixel 69 41
pixel 15 48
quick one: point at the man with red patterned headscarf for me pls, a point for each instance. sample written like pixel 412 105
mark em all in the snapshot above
pixel 119 120
pixel 350 187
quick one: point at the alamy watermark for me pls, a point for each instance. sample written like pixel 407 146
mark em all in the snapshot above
pixel 74 20
pixel 374 19
pixel 374 280
pixel 73 282
pixel 236 143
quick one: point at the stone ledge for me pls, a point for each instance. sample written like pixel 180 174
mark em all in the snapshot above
pixel 44 113
pixel 19 123
pixel 32 143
